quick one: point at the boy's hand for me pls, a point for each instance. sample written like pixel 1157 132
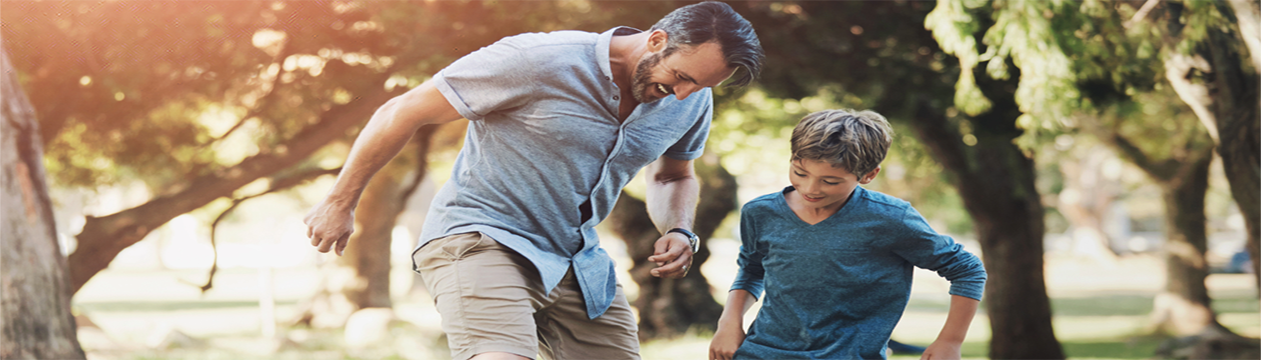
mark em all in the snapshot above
pixel 943 350
pixel 673 255
pixel 726 341
pixel 329 226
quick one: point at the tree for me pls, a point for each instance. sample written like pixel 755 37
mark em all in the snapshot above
pixel 900 71
pixel 35 296
pixel 1180 166
pixel 1093 56
pixel 126 88
pixel 1204 61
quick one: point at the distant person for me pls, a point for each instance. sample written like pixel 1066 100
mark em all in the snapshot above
pixel 836 259
pixel 559 123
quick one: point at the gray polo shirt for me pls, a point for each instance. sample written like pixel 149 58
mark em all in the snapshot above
pixel 545 156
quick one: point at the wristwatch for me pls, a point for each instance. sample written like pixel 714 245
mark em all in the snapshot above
pixel 692 240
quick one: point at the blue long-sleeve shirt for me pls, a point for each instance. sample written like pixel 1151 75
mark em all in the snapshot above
pixel 835 289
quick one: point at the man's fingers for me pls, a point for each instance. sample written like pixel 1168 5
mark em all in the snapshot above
pixel 660 247
pixel 341 244
pixel 325 244
pixel 672 270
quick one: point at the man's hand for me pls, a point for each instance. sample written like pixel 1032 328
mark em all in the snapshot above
pixel 943 350
pixel 329 226
pixel 673 255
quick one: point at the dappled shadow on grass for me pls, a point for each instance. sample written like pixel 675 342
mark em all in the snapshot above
pixel 1143 347
pixel 1132 348
pixel 1140 304
pixel 151 306
pixel 1103 305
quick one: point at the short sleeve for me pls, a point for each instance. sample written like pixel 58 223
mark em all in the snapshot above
pixel 692 144
pixel 492 78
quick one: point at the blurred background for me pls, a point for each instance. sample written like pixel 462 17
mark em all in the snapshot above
pixel 1102 158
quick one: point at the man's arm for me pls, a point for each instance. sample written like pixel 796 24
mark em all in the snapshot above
pixel 673 192
pixel 949 342
pixel 330 223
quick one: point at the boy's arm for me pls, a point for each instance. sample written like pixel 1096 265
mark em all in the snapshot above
pixel 673 192
pixel 730 332
pixel 330 223
pixel 949 343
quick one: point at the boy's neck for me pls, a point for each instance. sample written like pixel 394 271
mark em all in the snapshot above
pixel 814 215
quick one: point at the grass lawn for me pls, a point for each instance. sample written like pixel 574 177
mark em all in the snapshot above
pixel 1101 311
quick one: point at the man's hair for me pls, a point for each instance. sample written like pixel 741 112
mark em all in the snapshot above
pixel 854 140
pixel 715 21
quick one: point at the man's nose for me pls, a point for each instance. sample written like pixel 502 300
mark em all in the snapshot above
pixel 682 91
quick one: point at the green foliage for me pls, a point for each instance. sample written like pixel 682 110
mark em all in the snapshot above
pixel 147 90
pixel 955 27
pixel 1027 32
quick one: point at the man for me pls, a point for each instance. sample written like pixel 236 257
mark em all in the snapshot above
pixel 559 123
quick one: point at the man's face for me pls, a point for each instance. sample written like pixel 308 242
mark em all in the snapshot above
pixel 686 71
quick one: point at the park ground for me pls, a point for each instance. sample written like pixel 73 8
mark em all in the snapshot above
pixel 1101 311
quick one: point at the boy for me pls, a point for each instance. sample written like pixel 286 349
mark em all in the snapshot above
pixel 836 259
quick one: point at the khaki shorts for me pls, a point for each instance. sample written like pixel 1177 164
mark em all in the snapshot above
pixel 491 300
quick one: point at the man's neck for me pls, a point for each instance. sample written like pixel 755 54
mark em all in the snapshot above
pixel 624 54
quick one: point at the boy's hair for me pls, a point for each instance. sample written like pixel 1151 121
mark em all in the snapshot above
pixel 854 140
pixel 715 21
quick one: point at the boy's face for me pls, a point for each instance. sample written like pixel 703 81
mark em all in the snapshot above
pixel 820 185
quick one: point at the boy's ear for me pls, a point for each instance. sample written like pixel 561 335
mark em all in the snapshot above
pixel 869 177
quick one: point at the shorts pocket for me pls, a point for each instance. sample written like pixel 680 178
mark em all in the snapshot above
pixel 462 245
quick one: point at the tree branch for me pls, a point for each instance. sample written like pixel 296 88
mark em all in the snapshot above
pixel 1141 15
pixel 263 101
pixel 277 184
pixel 1248 13
pixel 1179 70
pixel 102 238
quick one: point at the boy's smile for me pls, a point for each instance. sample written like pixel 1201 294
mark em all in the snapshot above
pixel 821 187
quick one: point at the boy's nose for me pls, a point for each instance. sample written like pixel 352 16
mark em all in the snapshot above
pixel 808 188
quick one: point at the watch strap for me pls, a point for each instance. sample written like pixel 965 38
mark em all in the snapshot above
pixel 692 240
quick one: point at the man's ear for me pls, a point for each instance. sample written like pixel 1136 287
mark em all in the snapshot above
pixel 869 177
pixel 658 40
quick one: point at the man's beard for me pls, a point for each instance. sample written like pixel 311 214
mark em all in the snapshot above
pixel 641 83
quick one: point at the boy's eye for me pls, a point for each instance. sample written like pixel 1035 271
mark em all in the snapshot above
pixel 799 174
pixel 830 183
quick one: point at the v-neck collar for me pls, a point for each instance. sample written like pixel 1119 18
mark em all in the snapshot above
pixel 849 203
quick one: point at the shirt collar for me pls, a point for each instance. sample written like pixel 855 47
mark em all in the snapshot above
pixel 602 47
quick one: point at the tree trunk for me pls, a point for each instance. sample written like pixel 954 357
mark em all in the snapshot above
pixel 1241 135
pixel 669 307
pixel 102 238
pixel 35 291
pixel 1183 308
pixel 1213 82
pixel 368 252
pixel 996 182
